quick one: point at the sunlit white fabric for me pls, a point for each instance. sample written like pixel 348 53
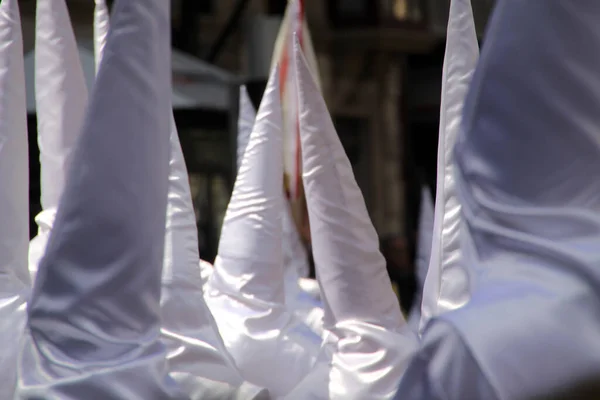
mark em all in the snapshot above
pixel 371 343
pixel 196 353
pixel 423 254
pixel 295 259
pixel 531 206
pixel 447 283
pixel 61 99
pixel 94 314
pixel 101 22
pixel 245 292
pixel 14 196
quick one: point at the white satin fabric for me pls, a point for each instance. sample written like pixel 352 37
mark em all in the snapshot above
pixel 94 314
pixel 101 23
pixel 245 292
pixel 305 304
pixel 367 342
pixel 14 196
pixel 196 353
pixel 447 284
pixel 425 238
pixel 525 161
pixel 61 99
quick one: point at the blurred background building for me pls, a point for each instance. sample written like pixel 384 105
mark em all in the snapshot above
pixel 380 63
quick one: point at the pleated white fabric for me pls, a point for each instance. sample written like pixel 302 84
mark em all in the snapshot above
pixel 425 237
pixel 447 284
pixel 369 343
pixel 306 305
pixel 101 23
pixel 94 314
pixel 61 98
pixel 245 292
pixel 525 168
pixel 14 196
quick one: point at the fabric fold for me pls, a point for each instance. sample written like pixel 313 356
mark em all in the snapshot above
pixel 246 289
pixel 61 98
pixel 14 195
pixel 361 309
pixel 94 314
pixel 447 286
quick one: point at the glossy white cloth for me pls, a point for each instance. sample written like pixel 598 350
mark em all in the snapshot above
pixel 196 352
pixel 447 283
pixel 531 207
pixel 423 254
pixel 245 292
pixel 295 259
pixel 94 314
pixel 369 343
pixel 101 23
pixel 61 99
pixel 14 196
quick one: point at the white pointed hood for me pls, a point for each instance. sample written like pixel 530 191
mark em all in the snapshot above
pixel 425 237
pixel 94 315
pixel 531 203
pixel 61 98
pixel 195 347
pixel 246 292
pixel 361 308
pixel 250 244
pixel 295 259
pixel 447 284
pixel 246 120
pixel 101 24
pixel 14 194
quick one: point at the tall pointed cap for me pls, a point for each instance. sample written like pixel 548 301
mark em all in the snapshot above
pixel 250 256
pixel 94 315
pixel 14 194
pixel 246 120
pixel 351 270
pixel 101 24
pixel 60 94
pixel 357 293
pixel 531 207
pixel 447 284
pixel 195 347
